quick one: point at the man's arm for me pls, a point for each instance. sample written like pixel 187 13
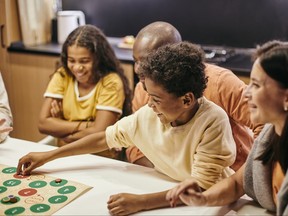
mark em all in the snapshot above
pixel 231 92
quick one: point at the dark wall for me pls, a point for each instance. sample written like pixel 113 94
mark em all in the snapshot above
pixel 235 23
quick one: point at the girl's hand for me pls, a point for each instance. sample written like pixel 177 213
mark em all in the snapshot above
pixel 56 110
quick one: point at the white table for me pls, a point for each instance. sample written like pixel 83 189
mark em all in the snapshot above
pixel 107 177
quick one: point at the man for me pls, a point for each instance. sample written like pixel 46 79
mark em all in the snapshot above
pixel 182 133
pixel 5 113
pixel 223 88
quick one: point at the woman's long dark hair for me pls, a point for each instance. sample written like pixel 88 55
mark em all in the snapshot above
pixel 104 58
pixel 273 57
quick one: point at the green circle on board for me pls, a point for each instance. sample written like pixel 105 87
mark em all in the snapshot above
pixel 2 189
pixel 57 199
pixel 67 189
pixel 9 170
pixel 37 184
pixel 38 208
pixel 55 184
pixel 14 211
pixel 10 203
pixel 11 182
pixel 5 199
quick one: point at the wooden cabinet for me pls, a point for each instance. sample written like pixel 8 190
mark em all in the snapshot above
pixel 9 31
pixel 25 76
pixel 30 75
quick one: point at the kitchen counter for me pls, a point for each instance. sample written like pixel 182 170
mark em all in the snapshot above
pixel 237 60
pixel 54 49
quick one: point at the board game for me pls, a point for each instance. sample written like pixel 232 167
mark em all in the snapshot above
pixel 37 194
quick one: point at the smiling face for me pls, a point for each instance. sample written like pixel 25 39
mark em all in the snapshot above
pixel 265 97
pixel 80 63
pixel 168 107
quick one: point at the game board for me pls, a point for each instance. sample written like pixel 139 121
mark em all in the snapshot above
pixel 37 194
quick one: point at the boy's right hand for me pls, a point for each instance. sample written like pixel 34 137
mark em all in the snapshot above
pixel 30 162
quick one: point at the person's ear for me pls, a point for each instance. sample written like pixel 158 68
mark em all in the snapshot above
pixel 188 98
pixel 186 101
pixel 285 102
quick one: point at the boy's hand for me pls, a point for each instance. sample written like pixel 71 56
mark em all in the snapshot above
pixel 31 161
pixel 124 204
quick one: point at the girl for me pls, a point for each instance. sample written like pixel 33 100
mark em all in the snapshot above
pixel 87 94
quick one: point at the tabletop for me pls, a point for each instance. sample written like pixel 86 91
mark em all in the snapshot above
pixel 108 177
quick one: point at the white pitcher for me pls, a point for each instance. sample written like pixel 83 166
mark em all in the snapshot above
pixel 67 21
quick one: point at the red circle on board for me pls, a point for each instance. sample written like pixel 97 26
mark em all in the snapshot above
pixel 27 192
pixel 20 176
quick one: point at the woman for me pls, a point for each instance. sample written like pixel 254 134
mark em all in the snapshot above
pixel 88 93
pixel 264 176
